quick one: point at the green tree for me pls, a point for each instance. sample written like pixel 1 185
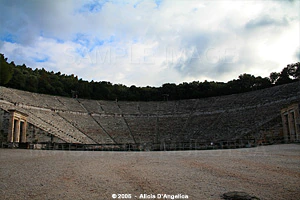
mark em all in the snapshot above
pixel 42 81
pixel 274 76
pixel 285 77
pixel 294 70
pixel 32 83
pixel 247 82
pixel 6 71
pixel 18 80
pixel 261 83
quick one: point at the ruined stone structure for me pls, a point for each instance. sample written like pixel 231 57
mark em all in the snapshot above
pixel 291 122
pixel 226 121
pixel 17 126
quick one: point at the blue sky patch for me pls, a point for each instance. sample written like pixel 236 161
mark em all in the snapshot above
pixel 158 2
pixel 60 41
pixel 81 51
pixel 40 59
pixel 9 38
pixel 93 6
pixel 95 44
pixel 81 39
pixel 137 3
pixel 112 39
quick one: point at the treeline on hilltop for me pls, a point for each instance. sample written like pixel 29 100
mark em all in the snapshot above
pixel 41 81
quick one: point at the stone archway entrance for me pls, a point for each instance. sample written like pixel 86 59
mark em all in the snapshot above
pixel 17 127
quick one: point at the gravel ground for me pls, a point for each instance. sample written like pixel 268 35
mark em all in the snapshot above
pixel 268 172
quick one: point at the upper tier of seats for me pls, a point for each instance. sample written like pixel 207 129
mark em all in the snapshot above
pixel 211 104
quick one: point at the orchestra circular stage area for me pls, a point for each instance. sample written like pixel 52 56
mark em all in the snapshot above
pixel 267 172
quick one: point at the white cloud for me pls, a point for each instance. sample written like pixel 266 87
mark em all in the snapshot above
pixel 149 43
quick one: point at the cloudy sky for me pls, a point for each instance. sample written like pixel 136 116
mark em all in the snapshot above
pixel 151 42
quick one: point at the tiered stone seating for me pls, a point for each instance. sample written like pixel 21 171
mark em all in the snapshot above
pixel 166 107
pixel 170 128
pixel 284 91
pixel 116 127
pixel 129 107
pixel 5 105
pixel 230 124
pixel 10 95
pixel 90 121
pixel 62 126
pixel 92 106
pixel 71 104
pixel 224 103
pixel 186 106
pixel 149 108
pixel 22 97
pixel 41 136
pixel 110 107
pixel 143 128
pixel 243 100
pixel 32 99
pixel 48 127
pixel 237 123
pixel 278 93
pixel 86 124
pixel 42 124
pixel 47 101
pixel 2 93
pixel 197 126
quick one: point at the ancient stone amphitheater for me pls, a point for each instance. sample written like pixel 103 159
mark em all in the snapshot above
pixel 226 121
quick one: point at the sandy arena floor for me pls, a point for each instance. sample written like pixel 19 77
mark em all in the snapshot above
pixel 268 172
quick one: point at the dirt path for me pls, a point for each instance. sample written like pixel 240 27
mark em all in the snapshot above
pixel 269 172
